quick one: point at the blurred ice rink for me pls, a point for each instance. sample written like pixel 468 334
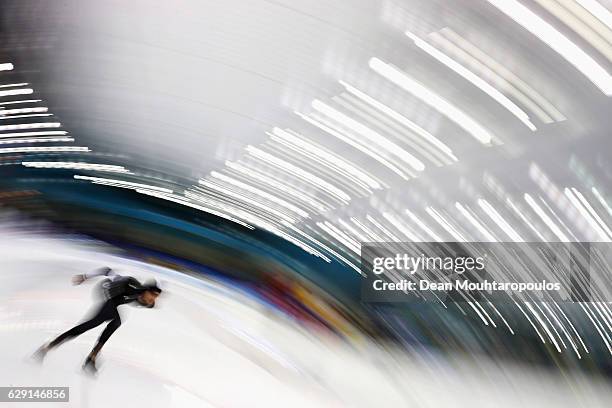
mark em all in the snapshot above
pixel 207 344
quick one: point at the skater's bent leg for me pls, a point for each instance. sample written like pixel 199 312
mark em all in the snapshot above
pixel 76 331
pixel 107 312
pixel 108 331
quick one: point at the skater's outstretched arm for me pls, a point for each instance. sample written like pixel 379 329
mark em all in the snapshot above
pixel 108 272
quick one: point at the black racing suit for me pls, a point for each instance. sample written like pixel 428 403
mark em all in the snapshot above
pixel 118 290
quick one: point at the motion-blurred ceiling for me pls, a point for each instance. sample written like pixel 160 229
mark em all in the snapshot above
pixel 324 122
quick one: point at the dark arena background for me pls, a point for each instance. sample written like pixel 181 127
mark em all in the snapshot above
pixel 239 153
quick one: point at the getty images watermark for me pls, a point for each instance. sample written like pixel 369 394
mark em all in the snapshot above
pixel 469 271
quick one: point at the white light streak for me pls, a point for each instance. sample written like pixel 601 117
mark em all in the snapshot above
pixel 397 223
pixel 325 247
pixel 475 223
pixel 328 249
pixel 352 230
pixel 6 66
pixel 441 105
pixel 22 91
pixel 14 85
pixel 474 79
pixel 445 224
pixel 556 41
pixel 350 239
pixel 400 118
pixel 36 149
pixel 122 183
pixel 34 115
pixel 499 220
pixel 502 317
pixel 328 157
pixel 293 169
pixel 478 312
pixel 77 166
pixel 340 237
pixel 604 316
pixel 229 208
pixel 26 134
pixel 551 323
pixel 368 231
pixel 21 101
pixel 265 225
pixel 547 220
pixel 530 321
pixel 356 145
pixel 594 219
pixel 498 73
pixel 486 314
pixel 247 201
pixel 368 133
pixel 382 228
pixel 601 334
pixel 261 193
pixel 41 125
pixel 423 226
pixel 559 220
pixel 23 110
pixel 580 21
pixel 598 11
pixel 524 219
pixel 182 200
pixel 573 328
pixel 570 195
pixel 295 241
pixel 601 200
pixel 567 335
pixel 389 127
pixel 299 195
pixel 37 140
pixel 315 160
pixel 544 325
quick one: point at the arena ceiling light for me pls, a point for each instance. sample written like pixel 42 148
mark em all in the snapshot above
pixel 27 134
pixel 598 11
pixel 371 135
pixel 21 91
pixel 54 149
pixel 402 80
pixel 77 166
pixel 20 101
pixel 399 118
pixel 474 79
pixel 556 41
pixel 41 125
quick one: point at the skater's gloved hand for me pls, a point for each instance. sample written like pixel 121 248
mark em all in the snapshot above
pixel 78 279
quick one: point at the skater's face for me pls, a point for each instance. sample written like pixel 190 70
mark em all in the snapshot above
pixel 148 298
